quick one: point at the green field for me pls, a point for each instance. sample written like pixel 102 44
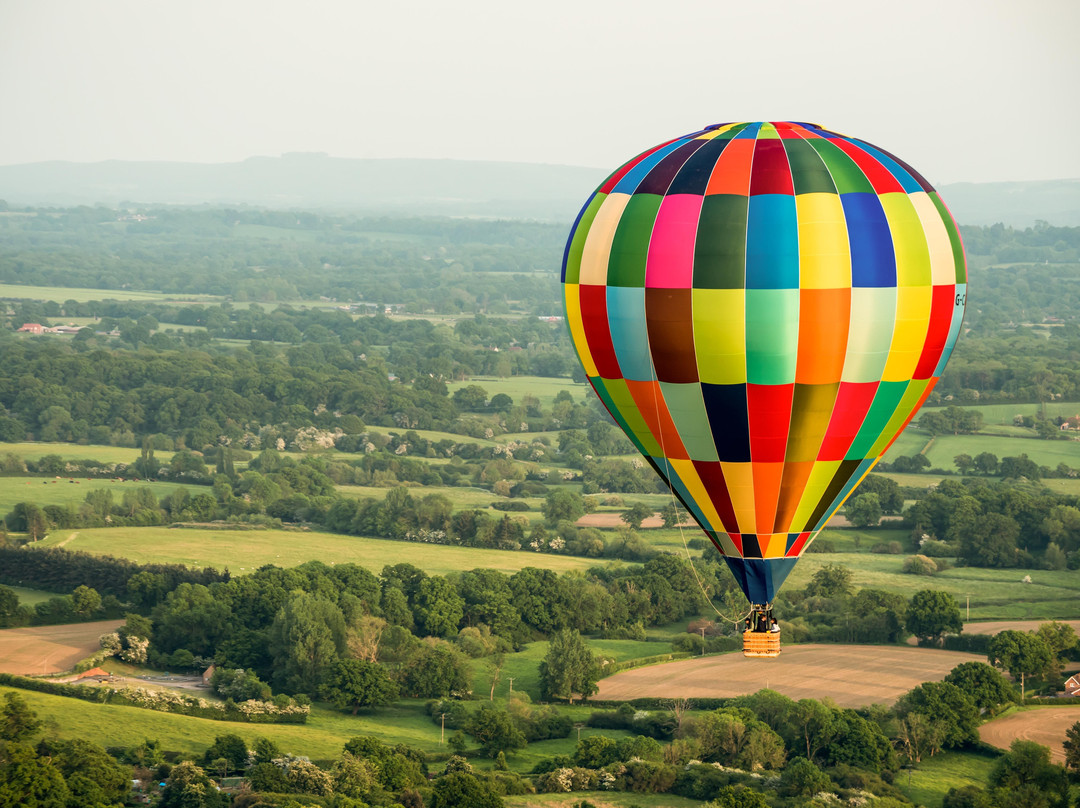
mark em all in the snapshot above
pixel 64 293
pixel 543 387
pixel 49 491
pixel 1004 413
pixel 323 736
pixel 35 450
pixel 1044 452
pixel 461 496
pixel 31 597
pixel 243 551
pixel 930 780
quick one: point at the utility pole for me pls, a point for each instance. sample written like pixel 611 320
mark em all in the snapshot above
pixel 442 728
pixel 511 678
pixel 967 597
pixel 703 640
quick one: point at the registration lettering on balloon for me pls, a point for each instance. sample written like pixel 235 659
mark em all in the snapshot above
pixel 763 307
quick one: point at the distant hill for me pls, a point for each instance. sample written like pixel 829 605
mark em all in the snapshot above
pixel 443 187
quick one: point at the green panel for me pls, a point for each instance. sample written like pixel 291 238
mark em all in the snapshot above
pixel 768 132
pixel 600 385
pixel 772 335
pixel 720 249
pixel 577 243
pixel 848 177
pixel 630 246
pixel 954 239
pixel 915 390
pixel 888 396
pixel 619 400
pixel 808 170
pixel 687 409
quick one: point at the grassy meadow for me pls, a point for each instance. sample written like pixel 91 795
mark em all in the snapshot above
pixel 243 551
pixel 61 294
pixel 929 781
pixel 32 450
pixel 62 491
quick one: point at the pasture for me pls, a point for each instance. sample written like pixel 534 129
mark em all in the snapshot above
pixel 31 597
pixel 853 676
pixel 39 650
pixel 61 294
pixel 1044 725
pixel 243 551
pixel 929 781
pixel 72 491
pixel 76 451
pixel 544 388
pixel 1044 452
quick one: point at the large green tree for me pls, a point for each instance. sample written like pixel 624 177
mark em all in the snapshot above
pixel 931 614
pixel 307 637
pixel 355 683
pixel 569 668
pixel 1022 654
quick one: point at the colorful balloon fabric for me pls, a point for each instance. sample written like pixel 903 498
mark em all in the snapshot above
pixel 763 307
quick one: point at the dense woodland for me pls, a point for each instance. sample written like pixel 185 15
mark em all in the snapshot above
pixel 241 385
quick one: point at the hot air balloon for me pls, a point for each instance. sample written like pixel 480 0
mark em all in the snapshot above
pixel 763 307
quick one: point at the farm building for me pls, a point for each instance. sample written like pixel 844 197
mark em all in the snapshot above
pixel 1072 685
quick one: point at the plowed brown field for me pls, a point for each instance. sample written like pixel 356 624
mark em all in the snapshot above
pixel 1045 725
pixel 851 675
pixel 50 649
pixel 997 626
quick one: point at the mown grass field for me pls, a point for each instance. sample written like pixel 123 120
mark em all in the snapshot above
pixel 49 491
pixel 77 451
pixel 64 293
pixel 1044 452
pixel 323 736
pixel 243 551
pixel 929 781
pixel 31 597
pixel 543 387
pixel 600 799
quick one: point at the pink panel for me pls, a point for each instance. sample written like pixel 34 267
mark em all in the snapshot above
pixel 670 264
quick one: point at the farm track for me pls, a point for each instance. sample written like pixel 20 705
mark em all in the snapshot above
pixel 50 649
pixel 851 675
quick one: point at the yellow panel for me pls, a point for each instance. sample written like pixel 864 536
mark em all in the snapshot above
pixel 909 332
pixel 942 265
pixel 692 480
pixel 909 240
pixel 597 250
pixel 577 330
pixel 714 132
pixel 740 482
pixel 824 253
pixel 907 403
pixel 819 480
pixel 773 545
pixel 720 335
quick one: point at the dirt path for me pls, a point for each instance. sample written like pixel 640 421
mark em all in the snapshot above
pixel 50 649
pixel 69 538
pixel 851 675
pixel 1045 725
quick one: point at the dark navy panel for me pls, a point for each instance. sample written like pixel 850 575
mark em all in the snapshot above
pixel 659 179
pixel 840 478
pixel 760 578
pixel 693 177
pixel 728 419
pixel 873 262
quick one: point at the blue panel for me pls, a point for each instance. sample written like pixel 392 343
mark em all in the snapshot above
pixel 629 335
pixel 907 182
pixel 629 183
pixel 954 332
pixel 873 262
pixel 772 243
pixel 750 132
pixel 851 483
pixel 760 578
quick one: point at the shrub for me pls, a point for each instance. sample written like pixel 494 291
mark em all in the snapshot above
pixel 919 565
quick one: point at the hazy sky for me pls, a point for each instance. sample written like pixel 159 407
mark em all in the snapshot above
pixel 965 90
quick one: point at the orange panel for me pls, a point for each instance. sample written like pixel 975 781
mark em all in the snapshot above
pixel 791 490
pixel 824 316
pixel 650 401
pixel 767 479
pixel 731 174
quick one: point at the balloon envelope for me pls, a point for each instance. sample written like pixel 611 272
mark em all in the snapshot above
pixel 763 307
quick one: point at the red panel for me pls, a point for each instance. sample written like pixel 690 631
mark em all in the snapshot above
pixel 879 176
pixel 769 408
pixel 613 180
pixel 797 545
pixel 650 403
pixel 731 174
pixel 852 403
pixel 941 312
pixel 736 539
pixel 594 321
pixel 771 172
pixel 712 477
